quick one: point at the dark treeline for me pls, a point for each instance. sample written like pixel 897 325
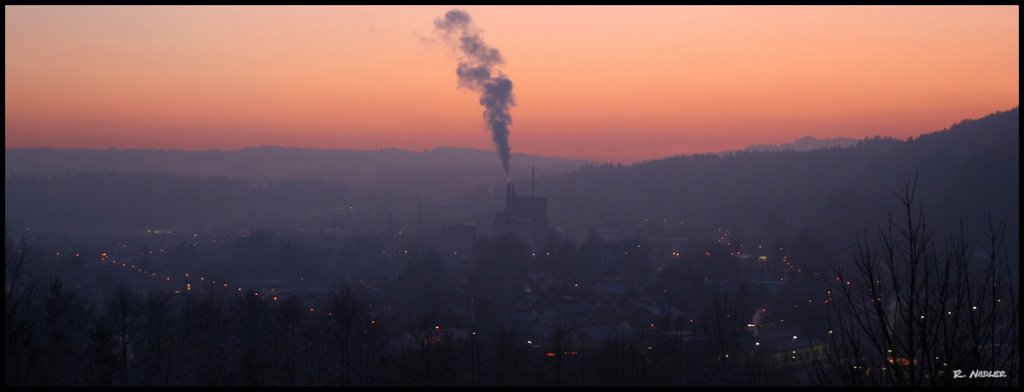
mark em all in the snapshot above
pixel 404 333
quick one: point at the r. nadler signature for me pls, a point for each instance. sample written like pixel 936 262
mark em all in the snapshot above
pixel 980 374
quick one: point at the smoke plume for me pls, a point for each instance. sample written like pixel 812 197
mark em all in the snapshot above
pixel 477 71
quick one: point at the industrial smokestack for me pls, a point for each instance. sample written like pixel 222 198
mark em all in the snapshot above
pixel 533 181
pixel 475 70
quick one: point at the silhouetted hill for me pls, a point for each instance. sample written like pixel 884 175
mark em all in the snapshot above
pixel 969 171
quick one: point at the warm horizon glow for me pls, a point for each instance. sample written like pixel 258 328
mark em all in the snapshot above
pixel 602 83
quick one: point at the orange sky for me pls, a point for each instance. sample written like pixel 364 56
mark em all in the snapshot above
pixel 603 83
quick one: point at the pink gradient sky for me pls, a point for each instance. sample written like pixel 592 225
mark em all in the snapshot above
pixel 603 83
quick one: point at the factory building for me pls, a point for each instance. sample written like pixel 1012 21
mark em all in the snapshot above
pixel 524 216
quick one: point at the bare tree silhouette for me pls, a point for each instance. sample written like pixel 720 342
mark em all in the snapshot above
pixel 912 313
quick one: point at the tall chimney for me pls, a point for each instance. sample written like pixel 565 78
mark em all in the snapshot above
pixel 533 181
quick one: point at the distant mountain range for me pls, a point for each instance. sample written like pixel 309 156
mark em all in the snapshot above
pixel 260 162
pixel 969 171
pixel 306 163
pixel 806 143
pixel 442 172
